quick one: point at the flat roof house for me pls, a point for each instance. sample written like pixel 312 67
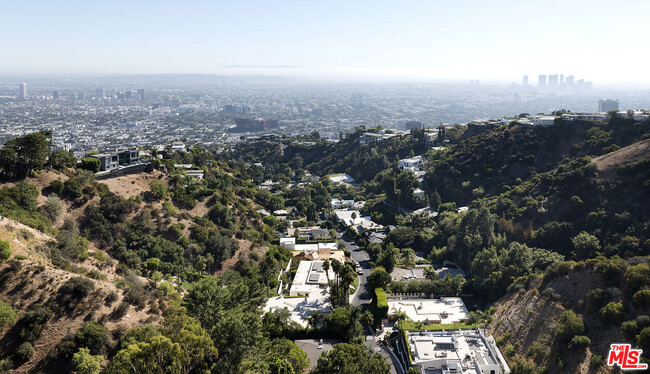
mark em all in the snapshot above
pixel 457 351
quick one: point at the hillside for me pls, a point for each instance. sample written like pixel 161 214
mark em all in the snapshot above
pixel 540 317
pixel 608 163
pixel 30 282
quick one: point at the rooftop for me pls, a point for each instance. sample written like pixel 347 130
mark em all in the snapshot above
pixel 444 310
pixel 466 351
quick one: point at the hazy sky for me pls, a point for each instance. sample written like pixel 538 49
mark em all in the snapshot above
pixel 399 39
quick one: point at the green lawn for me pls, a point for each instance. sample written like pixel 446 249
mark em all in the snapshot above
pixel 410 325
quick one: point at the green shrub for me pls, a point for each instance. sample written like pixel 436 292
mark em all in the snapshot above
pixel 56 186
pixel 612 312
pixel 642 298
pixel 74 290
pixel 596 360
pixel 7 315
pixel 93 336
pixel 33 323
pixel 579 341
pixel 120 310
pixel 52 208
pixel 629 329
pixel 571 324
pixel 5 251
pixel 25 351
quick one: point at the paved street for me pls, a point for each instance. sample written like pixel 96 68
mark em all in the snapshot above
pixel 363 296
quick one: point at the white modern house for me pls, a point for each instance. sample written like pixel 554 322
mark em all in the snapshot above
pixel 456 351
pixel 412 163
pixel 341 178
pixel 541 120
pixel 445 310
pixel 310 279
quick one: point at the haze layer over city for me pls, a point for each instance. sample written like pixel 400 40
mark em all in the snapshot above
pixel 325 67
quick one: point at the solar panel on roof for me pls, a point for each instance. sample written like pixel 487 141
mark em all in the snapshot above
pixel 314 277
pixel 317 266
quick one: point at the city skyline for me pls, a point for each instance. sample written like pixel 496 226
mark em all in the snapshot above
pixel 378 41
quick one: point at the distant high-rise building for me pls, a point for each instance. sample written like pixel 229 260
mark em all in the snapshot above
pixel 22 91
pixel 541 81
pixel 55 95
pixel 100 93
pixel 128 93
pixel 141 93
pixel 570 80
pixel 474 83
pixel 81 96
pixel 553 81
pixel 525 82
pixel 561 79
pixel 605 105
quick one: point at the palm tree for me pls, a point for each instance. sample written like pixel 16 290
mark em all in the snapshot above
pixel 334 289
pixel 430 273
pixel 326 267
pixel 316 319
pixel 407 255
pixel 348 275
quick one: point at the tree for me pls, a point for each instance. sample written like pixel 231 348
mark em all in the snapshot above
pixel 25 351
pixel 571 324
pixel 637 277
pixel 408 255
pixel 643 339
pixel 33 322
pixel 60 159
pixel 451 285
pixel 197 346
pixel 316 319
pixel 52 208
pixel 21 156
pixel 430 273
pixel 351 359
pixel 7 315
pixel 5 251
pixel 92 335
pixel 388 258
pixel 157 355
pixel 85 363
pixel 158 190
pixel 289 351
pixel 434 200
pixel 585 245
pixel 379 278
pixel 612 312
pixel 401 237
pixel 222 216
pixel 276 322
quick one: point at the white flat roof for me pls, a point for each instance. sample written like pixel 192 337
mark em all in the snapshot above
pixel 469 351
pixel 444 310
pixel 310 278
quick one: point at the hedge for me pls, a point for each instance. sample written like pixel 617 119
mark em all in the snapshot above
pixel 90 163
pixel 382 304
